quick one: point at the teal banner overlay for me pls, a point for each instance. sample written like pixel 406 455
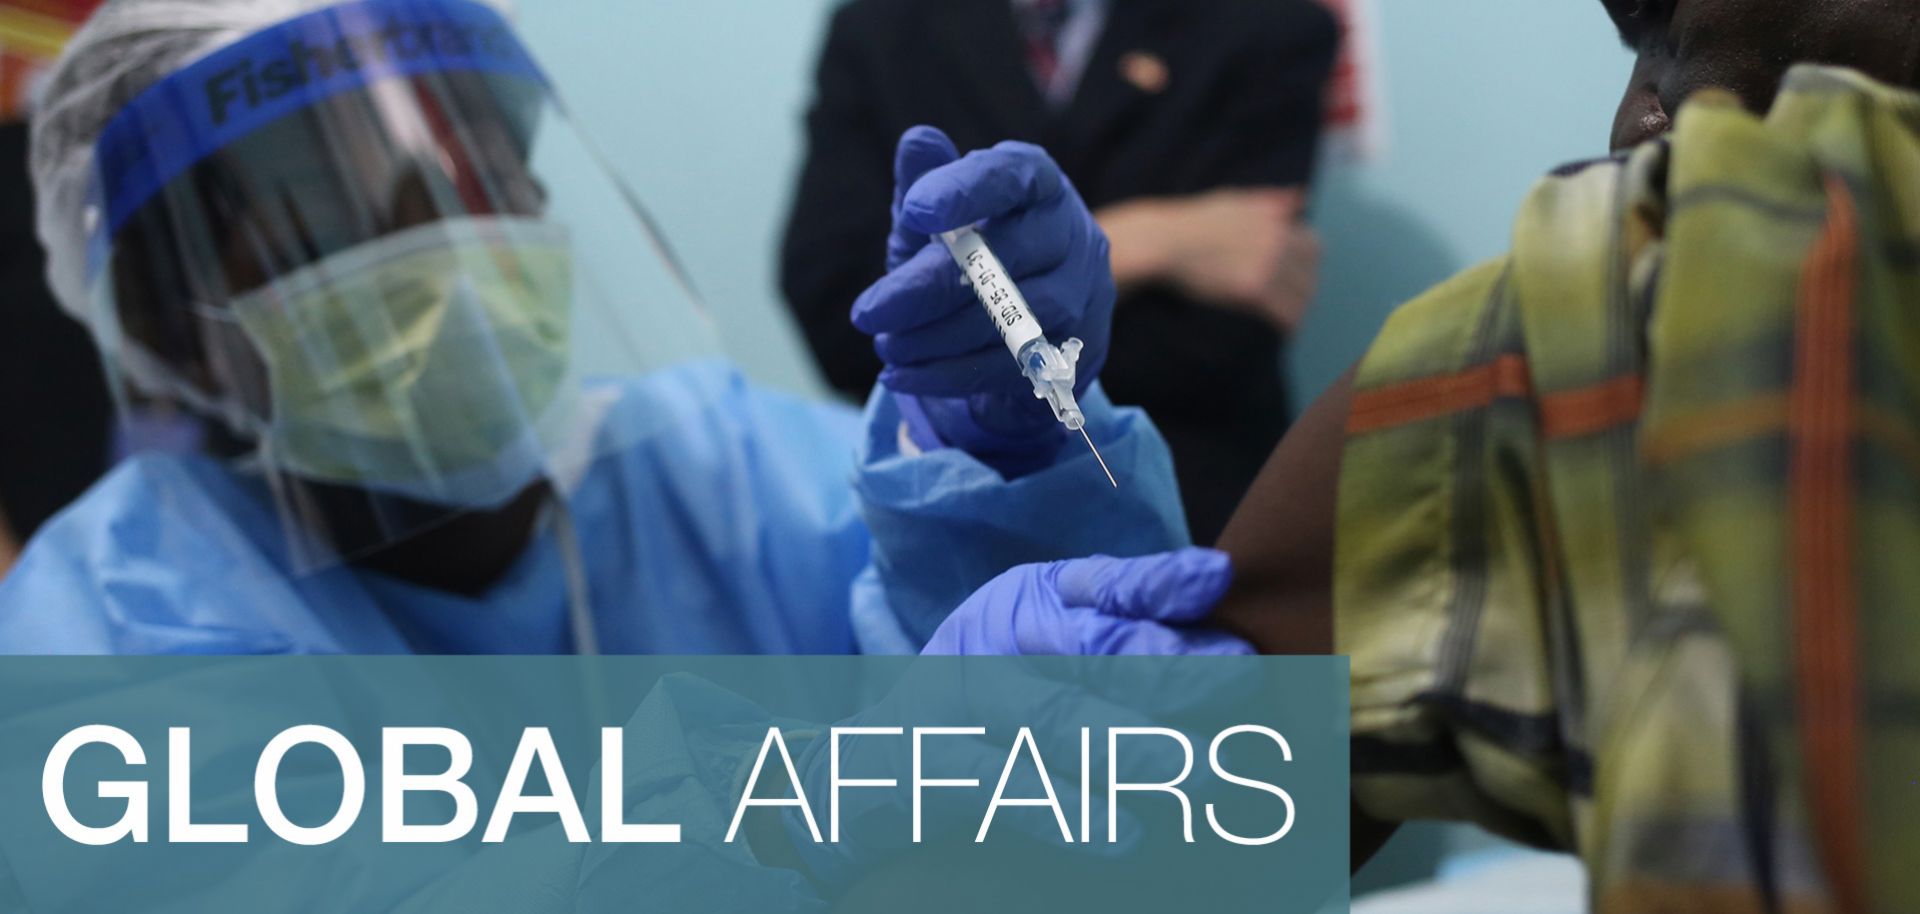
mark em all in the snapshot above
pixel 760 784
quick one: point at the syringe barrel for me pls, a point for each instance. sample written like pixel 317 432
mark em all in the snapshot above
pixel 1051 369
pixel 997 292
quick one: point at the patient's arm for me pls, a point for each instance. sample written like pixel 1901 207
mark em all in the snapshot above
pixel 1281 541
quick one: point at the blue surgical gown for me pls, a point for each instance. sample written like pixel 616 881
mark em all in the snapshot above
pixel 741 521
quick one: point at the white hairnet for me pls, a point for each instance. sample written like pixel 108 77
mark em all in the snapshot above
pixel 125 48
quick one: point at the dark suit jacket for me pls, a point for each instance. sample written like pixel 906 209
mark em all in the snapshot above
pixel 54 411
pixel 1241 107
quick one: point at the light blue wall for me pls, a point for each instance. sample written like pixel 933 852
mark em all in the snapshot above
pixel 699 103
pixel 1483 96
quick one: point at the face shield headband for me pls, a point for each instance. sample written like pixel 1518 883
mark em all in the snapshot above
pixel 288 68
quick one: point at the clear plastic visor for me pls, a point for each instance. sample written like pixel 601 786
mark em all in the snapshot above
pixel 371 243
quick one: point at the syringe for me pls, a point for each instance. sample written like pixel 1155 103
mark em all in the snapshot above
pixel 1050 368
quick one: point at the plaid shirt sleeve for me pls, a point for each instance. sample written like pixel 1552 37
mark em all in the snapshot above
pixel 1628 517
pixel 1439 585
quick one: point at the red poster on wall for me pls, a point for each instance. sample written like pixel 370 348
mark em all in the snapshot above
pixel 1356 105
pixel 32 32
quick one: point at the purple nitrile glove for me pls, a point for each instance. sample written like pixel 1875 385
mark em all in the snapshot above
pixel 1096 607
pixel 944 358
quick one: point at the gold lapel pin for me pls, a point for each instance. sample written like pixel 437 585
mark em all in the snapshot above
pixel 1146 70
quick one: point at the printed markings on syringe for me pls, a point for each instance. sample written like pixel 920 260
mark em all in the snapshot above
pixel 986 284
pixel 995 289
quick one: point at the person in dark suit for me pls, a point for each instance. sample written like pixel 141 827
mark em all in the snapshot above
pixel 55 415
pixel 1189 125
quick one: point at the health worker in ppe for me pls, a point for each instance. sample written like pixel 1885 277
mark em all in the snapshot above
pixel 484 412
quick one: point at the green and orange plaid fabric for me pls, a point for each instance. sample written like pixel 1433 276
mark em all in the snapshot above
pixel 1629 538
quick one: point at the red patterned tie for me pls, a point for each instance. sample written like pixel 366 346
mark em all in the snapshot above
pixel 1040 24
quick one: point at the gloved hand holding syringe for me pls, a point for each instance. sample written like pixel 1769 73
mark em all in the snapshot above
pixel 1046 280
pixel 1051 369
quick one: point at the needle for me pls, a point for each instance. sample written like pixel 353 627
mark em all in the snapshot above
pixel 1096 456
